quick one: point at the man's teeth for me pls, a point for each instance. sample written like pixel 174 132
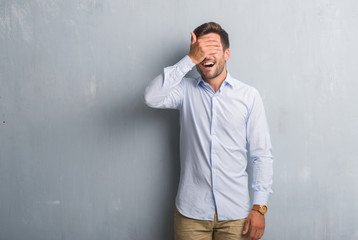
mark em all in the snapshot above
pixel 208 64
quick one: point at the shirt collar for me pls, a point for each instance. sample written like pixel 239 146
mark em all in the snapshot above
pixel 228 80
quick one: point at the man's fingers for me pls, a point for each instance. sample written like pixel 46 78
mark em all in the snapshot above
pixel 211 48
pixel 255 233
pixel 204 46
pixel 209 51
pixel 209 43
pixel 212 52
pixel 256 223
pixel 209 38
pixel 207 46
pixel 193 37
pixel 246 227
pixel 258 235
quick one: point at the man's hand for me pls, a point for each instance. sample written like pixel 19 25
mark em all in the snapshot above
pixel 255 221
pixel 203 47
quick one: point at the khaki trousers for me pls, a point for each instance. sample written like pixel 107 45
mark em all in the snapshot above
pixel 192 229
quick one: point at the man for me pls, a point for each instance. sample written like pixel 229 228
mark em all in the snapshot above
pixel 220 117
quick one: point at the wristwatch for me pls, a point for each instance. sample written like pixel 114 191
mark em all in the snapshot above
pixel 260 208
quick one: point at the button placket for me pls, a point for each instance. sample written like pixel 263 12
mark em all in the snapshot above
pixel 213 144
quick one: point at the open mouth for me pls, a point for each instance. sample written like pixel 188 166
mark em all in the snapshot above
pixel 208 65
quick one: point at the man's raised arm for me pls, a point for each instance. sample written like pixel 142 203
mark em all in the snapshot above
pixel 167 89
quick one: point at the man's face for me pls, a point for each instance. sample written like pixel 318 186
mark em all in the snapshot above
pixel 212 66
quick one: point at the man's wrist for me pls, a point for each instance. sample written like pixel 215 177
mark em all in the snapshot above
pixel 260 208
pixel 185 64
pixel 192 59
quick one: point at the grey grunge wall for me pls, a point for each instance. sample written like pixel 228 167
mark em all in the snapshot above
pixel 82 157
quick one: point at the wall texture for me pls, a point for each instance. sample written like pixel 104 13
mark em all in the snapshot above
pixel 82 157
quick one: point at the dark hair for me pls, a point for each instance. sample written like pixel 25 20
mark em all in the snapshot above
pixel 213 27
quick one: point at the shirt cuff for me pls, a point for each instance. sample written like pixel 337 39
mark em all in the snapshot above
pixel 185 64
pixel 260 198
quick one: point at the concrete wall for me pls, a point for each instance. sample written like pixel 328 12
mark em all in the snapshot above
pixel 82 157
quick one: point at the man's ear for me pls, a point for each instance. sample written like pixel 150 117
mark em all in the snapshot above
pixel 227 54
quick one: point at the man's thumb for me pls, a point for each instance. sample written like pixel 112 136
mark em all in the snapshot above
pixel 193 37
pixel 246 227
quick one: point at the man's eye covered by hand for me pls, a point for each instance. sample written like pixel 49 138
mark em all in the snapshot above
pixel 204 46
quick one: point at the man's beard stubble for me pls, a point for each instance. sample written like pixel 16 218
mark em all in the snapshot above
pixel 219 70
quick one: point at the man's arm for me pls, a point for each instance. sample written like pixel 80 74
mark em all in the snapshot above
pixel 167 89
pixel 259 142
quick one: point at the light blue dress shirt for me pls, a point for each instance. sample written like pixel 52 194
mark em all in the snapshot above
pixel 215 131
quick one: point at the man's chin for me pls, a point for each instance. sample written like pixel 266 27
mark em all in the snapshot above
pixel 208 76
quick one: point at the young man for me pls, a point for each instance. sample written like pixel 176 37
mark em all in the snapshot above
pixel 219 117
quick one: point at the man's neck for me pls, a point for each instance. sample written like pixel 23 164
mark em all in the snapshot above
pixel 215 83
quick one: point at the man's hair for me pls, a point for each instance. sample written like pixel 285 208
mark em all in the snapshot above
pixel 213 27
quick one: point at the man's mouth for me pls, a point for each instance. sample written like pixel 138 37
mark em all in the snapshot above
pixel 208 64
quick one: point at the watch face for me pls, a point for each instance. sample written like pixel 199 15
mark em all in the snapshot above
pixel 261 208
pixel 264 209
